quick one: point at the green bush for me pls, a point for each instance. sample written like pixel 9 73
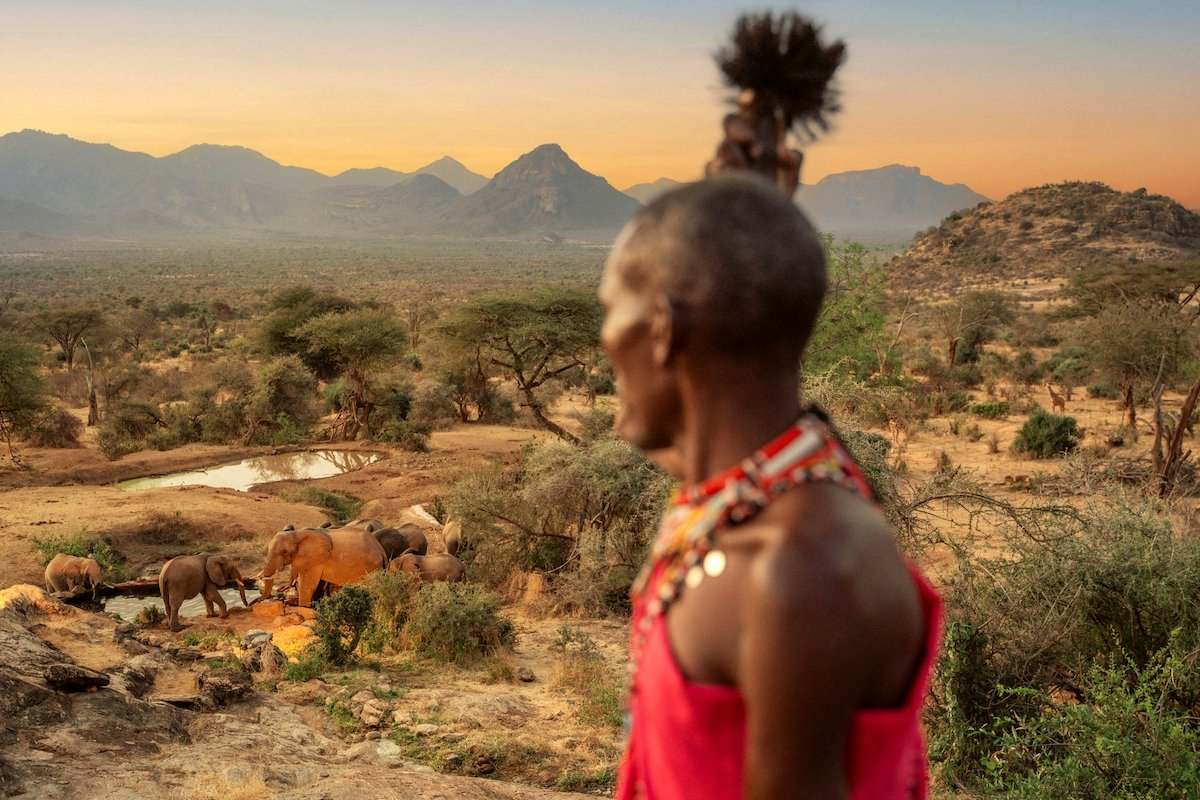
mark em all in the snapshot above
pixel 341 621
pixel 410 434
pixel 995 410
pixel 111 563
pixel 1104 391
pixel 1130 739
pixel 311 664
pixel 394 594
pixel 1070 666
pixel 1046 435
pixel 343 507
pixel 149 616
pixel 113 444
pixel 457 623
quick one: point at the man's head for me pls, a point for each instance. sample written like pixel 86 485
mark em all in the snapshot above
pixel 726 270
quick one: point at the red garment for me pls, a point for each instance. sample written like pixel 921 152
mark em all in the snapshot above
pixel 689 741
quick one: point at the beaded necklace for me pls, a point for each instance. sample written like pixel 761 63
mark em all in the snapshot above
pixel 683 553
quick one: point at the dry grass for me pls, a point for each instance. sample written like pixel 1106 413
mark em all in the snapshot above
pixel 229 785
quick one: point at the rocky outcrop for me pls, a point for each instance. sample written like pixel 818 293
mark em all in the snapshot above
pixel 110 743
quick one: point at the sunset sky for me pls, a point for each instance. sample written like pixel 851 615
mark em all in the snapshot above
pixel 999 95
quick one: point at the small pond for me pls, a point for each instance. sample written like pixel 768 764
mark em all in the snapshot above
pixel 128 606
pixel 304 465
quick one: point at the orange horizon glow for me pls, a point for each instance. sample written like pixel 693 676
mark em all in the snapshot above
pixel 332 86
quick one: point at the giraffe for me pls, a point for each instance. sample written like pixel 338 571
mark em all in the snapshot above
pixel 1056 400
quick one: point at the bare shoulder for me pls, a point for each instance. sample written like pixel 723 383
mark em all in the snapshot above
pixel 826 584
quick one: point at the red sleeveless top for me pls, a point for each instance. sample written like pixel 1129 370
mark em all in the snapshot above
pixel 687 740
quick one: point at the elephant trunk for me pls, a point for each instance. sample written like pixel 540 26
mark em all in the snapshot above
pixel 242 591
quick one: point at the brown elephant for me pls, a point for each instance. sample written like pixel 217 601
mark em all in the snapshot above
pixel 67 573
pixel 453 536
pixel 437 567
pixel 369 525
pixel 337 556
pixel 397 540
pixel 184 577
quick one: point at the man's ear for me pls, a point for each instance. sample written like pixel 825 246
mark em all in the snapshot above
pixel 667 328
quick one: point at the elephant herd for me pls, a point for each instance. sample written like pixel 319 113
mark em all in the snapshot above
pixel 328 557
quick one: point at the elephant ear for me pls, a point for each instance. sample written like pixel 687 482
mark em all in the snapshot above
pixel 217 568
pixel 314 545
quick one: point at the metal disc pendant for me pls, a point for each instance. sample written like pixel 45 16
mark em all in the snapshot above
pixel 714 563
pixel 694 576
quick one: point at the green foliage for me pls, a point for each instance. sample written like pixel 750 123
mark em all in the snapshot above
pixel 311 664
pixel 994 410
pixel 343 507
pixel 291 309
pixel 848 336
pixel 1132 738
pixel 1046 435
pixel 410 434
pixel 532 337
pixel 149 616
pixel 457 622
pixel 1105 391
pixel 394 594
pixel 22 391
pixel 355 342
pixel 1080 617
pixel 111 563
pixel 341 621
pixel 598 689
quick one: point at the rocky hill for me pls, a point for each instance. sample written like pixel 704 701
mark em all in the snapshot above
pixel 542 191
pixel 1049 232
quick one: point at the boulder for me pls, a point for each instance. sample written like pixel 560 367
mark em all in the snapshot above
pixel 525 675
pixel 224 685
pixel 267 608
pixel 74 678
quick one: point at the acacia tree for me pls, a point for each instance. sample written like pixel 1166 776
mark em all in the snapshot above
pixel 22 394
pixel 532 338
pixel 357 344
pixel 68 326
pixel 969 322
pixel 1134 346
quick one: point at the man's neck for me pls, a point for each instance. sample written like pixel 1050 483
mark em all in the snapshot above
pixel 726 419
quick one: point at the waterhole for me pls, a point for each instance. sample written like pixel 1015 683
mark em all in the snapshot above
pixel 128 605
pixel 305 465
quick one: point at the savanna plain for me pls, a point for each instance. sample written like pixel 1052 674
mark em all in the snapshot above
pixel 1028 434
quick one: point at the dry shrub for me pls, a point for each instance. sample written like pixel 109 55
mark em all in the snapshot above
pixel 56 427
pixel 233 784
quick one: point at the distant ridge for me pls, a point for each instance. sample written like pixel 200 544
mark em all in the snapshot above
pixel 646 192
pixel 895 199
pixel 455 174
pixel 53 184
pixel 1050 232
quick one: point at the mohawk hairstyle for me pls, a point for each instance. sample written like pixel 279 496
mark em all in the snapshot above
pixel 789 70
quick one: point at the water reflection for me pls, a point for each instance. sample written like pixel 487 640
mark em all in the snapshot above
pixel 128 606
pixel 306 465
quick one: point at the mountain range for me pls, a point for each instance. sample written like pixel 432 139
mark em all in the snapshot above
pixel 893 201
pixel 55 186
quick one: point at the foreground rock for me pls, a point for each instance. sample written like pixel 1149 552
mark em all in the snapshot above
pixel 109 743
pixel 70 678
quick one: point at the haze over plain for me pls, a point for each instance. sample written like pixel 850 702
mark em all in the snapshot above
pixel 998 96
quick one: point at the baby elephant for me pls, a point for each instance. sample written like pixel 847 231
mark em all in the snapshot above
pixel 437 567
pixel 184 577
pixel 67 573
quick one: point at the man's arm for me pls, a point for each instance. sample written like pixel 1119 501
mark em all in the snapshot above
pixel 800 670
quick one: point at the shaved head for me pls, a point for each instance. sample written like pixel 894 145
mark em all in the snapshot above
pixel 741 267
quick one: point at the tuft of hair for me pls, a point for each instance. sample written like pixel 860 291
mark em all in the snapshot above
pixel 783 60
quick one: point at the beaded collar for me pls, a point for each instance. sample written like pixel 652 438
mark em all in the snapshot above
pixel 683 554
